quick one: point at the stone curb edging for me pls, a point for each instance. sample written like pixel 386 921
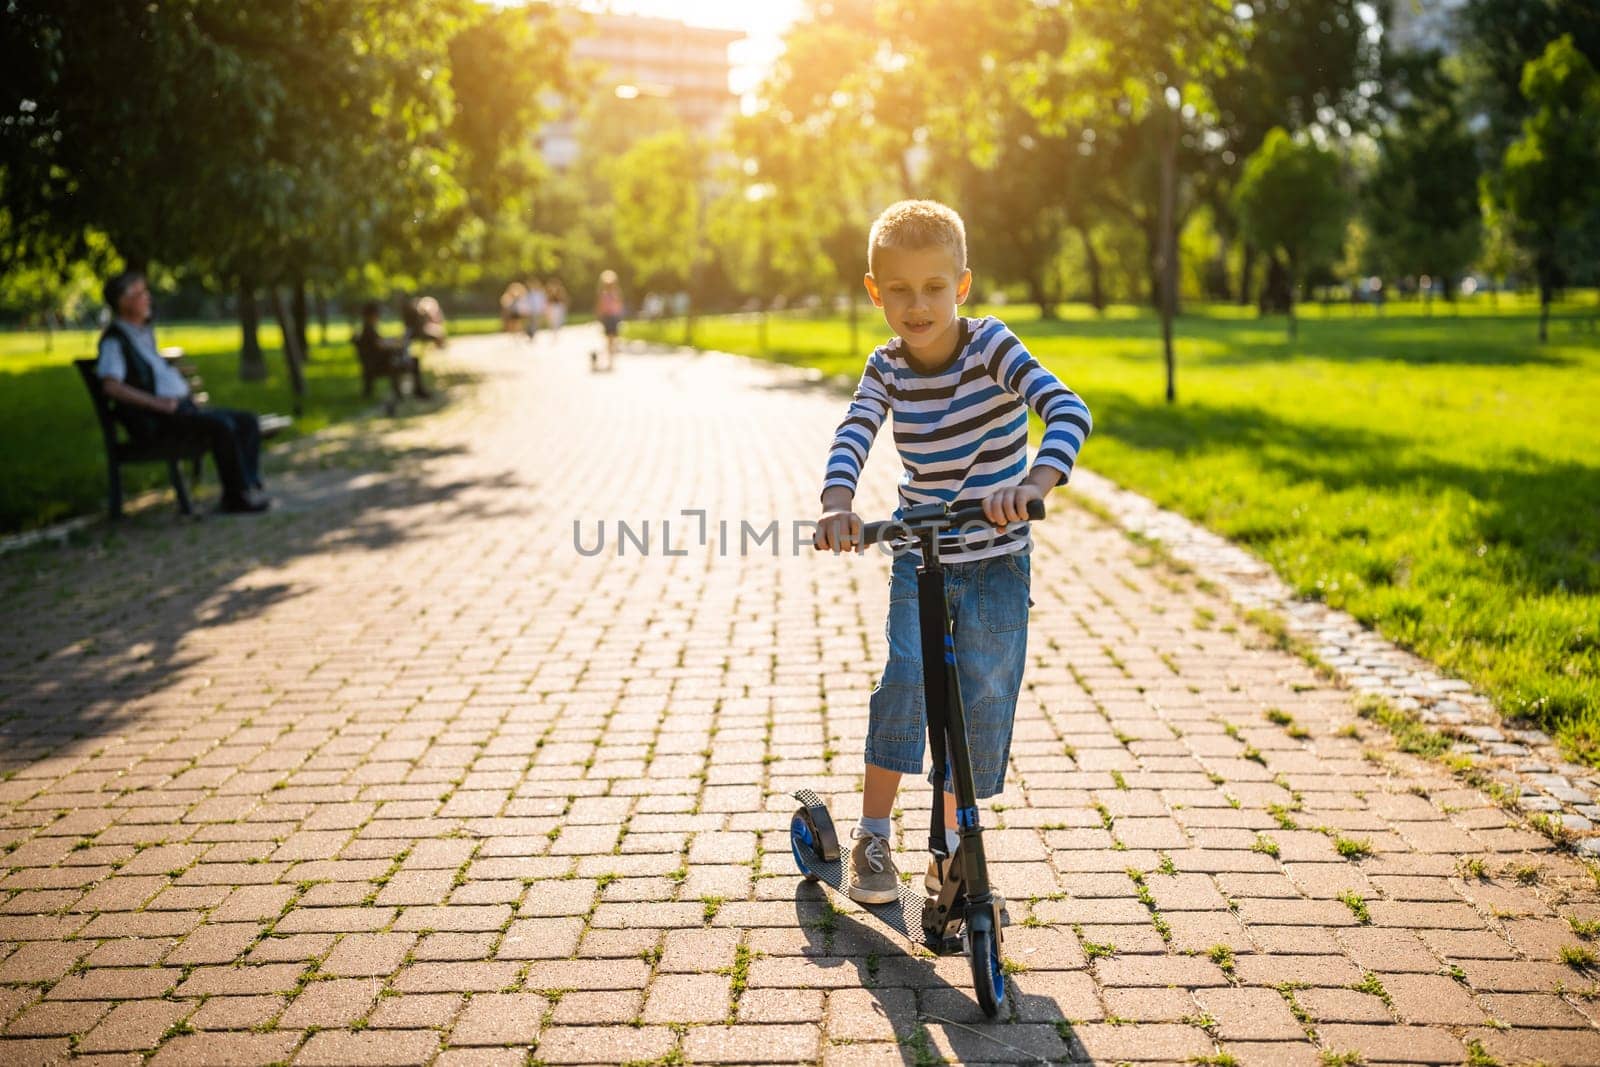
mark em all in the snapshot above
pixel 1526 762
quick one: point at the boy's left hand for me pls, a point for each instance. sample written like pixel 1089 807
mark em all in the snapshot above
pixel 1010 504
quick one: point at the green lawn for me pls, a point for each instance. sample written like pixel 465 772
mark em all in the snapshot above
pixel 1437 476
pixel 52 461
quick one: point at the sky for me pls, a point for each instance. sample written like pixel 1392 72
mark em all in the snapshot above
pixel 762 21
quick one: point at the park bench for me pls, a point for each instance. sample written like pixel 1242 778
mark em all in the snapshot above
pixel 386 359
pixel 122 448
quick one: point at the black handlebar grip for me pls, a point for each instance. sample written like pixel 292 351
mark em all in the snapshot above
pixel 873 532
pixel 964 515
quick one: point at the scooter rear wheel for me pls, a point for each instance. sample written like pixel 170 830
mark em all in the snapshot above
pixel 983 952
pixel 803 836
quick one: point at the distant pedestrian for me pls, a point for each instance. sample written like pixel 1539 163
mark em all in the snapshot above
pixel 608 309
pixel 556 309
pixel 511 302
pixel 534 304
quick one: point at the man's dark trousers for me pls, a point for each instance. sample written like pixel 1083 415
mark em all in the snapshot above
pixel 234 438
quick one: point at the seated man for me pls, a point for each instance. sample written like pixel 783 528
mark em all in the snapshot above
pixel 423 320
pixel 386 357
pixel 153 401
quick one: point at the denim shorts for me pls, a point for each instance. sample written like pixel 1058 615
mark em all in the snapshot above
pixel 988 603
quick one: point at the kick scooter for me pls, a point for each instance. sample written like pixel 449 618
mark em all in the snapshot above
pixel 965 916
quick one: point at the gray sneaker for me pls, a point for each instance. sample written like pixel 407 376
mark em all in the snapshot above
pixel 873 878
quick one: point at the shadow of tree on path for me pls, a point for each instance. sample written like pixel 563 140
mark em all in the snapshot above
pixel 95 629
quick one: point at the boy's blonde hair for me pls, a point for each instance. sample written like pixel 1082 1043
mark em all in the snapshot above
pixel 912 224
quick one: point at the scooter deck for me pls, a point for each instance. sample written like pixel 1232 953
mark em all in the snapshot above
pixel 902 915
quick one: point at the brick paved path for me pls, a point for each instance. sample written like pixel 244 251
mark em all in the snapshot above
pixel 395 775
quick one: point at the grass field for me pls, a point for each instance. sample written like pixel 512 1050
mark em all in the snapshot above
pixel 1437 476
pixel 52 461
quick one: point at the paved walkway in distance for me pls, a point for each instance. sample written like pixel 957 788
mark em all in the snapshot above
pixel 397 775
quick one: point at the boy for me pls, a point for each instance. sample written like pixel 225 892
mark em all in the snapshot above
pixel 959 390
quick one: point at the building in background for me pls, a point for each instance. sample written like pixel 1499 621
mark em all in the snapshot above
pixel 1423 25
pixel 633 56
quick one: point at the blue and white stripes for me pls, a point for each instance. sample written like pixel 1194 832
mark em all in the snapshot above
pixel 961 430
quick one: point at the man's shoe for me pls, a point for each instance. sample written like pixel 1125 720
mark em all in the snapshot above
pixel 244 505
pixel 873 878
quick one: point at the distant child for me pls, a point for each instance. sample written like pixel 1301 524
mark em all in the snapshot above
pixel 556 309
pixel 608 309
pixel 511 306
pixel 959 390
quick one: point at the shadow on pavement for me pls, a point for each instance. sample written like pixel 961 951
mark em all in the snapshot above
pixel 929 1003
pixel 92 630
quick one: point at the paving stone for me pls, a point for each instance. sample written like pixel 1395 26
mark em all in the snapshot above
pixel 1394 1044
pixel 606 1044
pixel 134 1026
pixel 1250 1014
pixel 751 1044
pixel 52 1019
pixel 391 1048
pixel 236 1013
pixel 334 1003
pixel 615 1006
pixel 226 1050
pixel 500 1019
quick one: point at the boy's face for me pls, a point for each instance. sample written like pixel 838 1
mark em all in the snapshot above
pixel 919 290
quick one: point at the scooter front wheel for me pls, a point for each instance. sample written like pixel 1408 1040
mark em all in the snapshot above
pixel 983 953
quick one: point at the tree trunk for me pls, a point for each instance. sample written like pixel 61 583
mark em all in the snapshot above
pixel 1275 294
pixel 1152 265
pixel 300 316
pixel 1217 275
pixel 1046 303
pixel 1169 249
pixel 252 364
pixel 1091 260
pixel 1294 324
pixel 855 322
pixel 292 352
pixel 1544 306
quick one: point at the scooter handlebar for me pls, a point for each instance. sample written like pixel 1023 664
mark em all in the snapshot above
pixel 969 514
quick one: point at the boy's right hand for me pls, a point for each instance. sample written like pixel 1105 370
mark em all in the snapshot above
pixel 838 531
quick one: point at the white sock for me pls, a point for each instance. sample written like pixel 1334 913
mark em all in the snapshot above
pixel 875 827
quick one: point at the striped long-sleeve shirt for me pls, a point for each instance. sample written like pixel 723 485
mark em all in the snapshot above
pixel 961 430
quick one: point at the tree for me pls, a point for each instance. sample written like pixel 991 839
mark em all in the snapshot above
pixel 1289 200
pixel 1500 257
pixel 56 290
pixel 1547 178
pixel 792 217
pixel 656 208
pixel 1421 199
pixel 1156 59
pixel 276 144
pixel 1499 38
pixel 1307 64
pixel 502 66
